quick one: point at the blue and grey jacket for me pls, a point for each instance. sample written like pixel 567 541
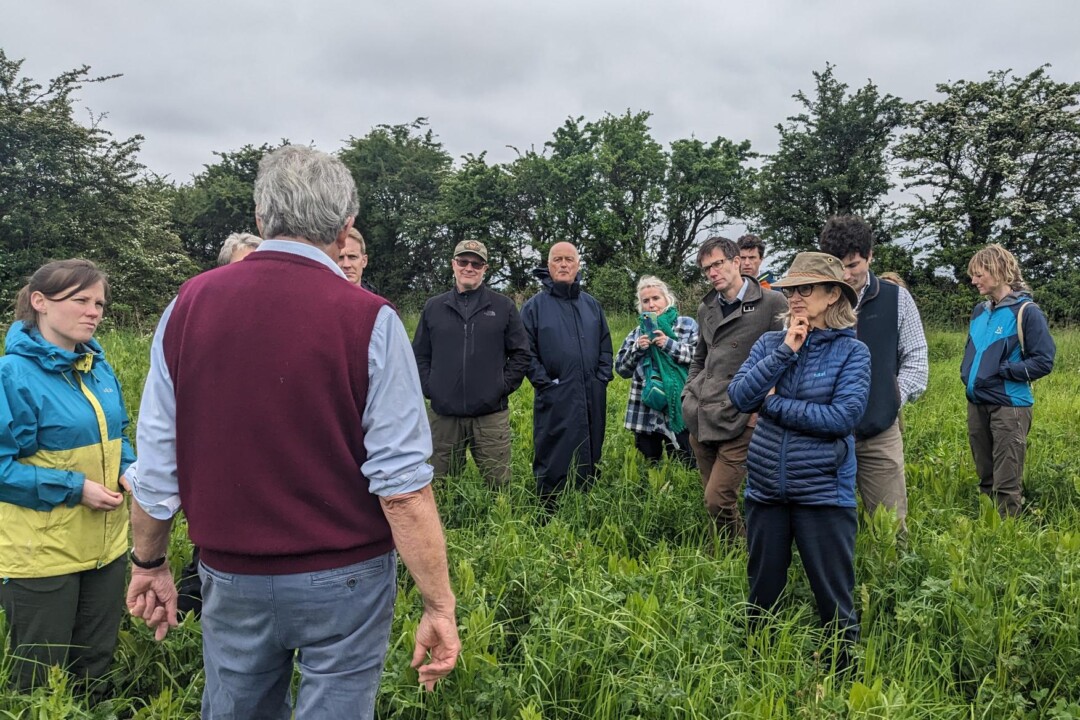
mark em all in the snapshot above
pixel 995 371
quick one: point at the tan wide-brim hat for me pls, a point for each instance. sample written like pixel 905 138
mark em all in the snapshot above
pixel 814 268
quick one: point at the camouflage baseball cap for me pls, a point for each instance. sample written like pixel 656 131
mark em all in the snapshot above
pixel 471 246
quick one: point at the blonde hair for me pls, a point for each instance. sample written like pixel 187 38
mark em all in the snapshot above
pixel 649 281
pixel 894 278
pixel 838 316
pixel 1000 264
pixel 355 235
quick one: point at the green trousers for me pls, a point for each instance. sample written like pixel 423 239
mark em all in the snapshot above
pixel 487 437
pixel 66 620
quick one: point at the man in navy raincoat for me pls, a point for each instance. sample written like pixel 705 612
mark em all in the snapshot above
pixel 570 370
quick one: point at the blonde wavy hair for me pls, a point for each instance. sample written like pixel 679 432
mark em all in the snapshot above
pixel 1000 264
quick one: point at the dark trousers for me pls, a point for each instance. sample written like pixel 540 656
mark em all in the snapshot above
pixel 653 445
pixel 189 587
pixel 67 620
pixel 825 536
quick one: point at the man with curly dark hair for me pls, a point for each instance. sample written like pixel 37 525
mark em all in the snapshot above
pixel 890 325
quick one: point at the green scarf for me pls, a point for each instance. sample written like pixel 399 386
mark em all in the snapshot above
pixel 664 378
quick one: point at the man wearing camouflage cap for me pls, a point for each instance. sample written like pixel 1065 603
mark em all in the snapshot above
pixel 472 352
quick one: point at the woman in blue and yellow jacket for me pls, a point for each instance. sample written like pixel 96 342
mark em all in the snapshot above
pixel 1009 346
pixel 63 452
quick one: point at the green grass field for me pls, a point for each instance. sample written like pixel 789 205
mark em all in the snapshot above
pixel 623 607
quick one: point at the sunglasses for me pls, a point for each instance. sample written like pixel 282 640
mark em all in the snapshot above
pixel 803 290
pixel 474 264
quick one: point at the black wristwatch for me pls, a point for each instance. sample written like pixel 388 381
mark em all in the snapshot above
pixel 146 565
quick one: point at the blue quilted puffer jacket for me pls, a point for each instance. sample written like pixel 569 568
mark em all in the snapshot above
pixel 803 448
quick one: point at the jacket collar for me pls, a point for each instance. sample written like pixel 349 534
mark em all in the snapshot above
pixel 871 289
pixel 29 343
pixel 559 290
pixel 1013 298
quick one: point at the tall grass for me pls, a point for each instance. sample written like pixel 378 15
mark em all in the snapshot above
pixel 624 606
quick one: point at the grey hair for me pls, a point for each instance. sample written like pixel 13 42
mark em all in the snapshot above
pixel 648 281
pixel 304 193
pixel 233 243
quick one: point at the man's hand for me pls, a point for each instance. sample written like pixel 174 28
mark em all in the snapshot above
pixel 436 634
pixel 98 497
pixel 152 596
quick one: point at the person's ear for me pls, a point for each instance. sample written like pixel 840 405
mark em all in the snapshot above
pixel 37 301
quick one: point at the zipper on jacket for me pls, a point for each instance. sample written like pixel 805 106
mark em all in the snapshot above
pixel 800 368
pixel 103 431
pixel 464 364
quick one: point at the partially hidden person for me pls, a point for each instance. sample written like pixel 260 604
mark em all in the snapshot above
pixel 656 357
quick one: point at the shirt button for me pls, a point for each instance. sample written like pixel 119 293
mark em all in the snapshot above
pixel 735 344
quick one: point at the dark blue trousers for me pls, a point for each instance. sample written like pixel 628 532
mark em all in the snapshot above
pixel 825 537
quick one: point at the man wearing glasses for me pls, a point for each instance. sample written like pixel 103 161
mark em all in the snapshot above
pixel 733 315
pixel 472 352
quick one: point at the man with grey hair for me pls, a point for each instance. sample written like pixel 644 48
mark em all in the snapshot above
pixel 571 367
pixel 297 521
pixel 237 247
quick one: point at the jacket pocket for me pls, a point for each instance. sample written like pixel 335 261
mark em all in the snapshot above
pixel 840 454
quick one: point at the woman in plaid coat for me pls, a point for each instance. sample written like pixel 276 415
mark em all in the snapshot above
pixel 656 356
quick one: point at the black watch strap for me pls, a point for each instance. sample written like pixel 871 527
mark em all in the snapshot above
pixel 146 565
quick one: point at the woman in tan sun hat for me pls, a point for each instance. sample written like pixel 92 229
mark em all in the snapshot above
pixel 809 386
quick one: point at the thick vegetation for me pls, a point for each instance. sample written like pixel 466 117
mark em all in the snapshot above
pixel 622 606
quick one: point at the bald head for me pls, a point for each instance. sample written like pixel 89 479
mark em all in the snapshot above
pixel 563 262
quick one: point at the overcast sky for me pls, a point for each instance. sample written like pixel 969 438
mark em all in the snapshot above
pixel 202 76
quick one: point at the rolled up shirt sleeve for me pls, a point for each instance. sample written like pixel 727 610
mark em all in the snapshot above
pixel 153 483
pixel 396 432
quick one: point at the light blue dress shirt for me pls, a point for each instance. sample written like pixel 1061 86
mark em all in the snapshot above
pixel 396 432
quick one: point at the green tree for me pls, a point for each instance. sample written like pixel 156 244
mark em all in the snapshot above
pixel 705 186
pixel 606 185
pixel 831 160
pixel 69 190
pixel 477 202
pixel 399 172
pixel 997 161
pixel 218 202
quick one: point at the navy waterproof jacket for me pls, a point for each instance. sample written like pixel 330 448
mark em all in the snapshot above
pixel 571 367
pixel 995 370
pixel 803 448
